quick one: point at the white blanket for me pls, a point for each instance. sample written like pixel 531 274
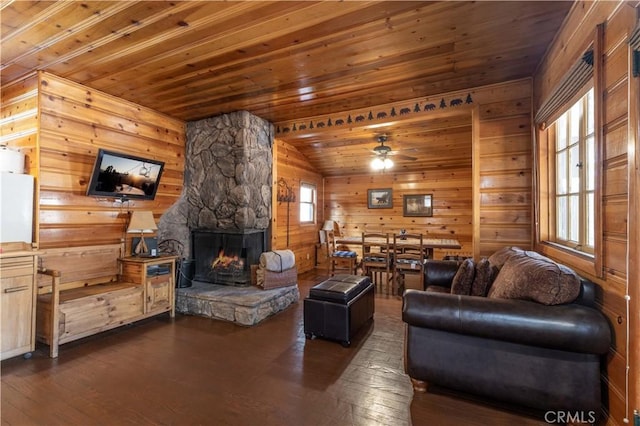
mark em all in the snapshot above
pixel 277 260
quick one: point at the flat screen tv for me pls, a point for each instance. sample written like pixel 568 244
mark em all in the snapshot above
pixel 124 176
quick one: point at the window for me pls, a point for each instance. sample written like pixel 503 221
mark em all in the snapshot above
pixel 574 197
pixel 307 203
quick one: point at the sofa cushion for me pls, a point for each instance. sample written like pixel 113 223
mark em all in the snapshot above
pixel 499 258
pixel 570 327
pixel 484 276
pixel 440 273
pixel 463 280
pixel 344 253
pixel 531 276
pixel 438 289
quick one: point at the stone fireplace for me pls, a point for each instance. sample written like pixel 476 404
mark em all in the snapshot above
pixel 223 217
pixel 227 189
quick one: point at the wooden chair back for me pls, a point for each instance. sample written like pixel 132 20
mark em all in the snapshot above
pixel 377 258
pixel 409 256
pixel 340 257
pixel 376 245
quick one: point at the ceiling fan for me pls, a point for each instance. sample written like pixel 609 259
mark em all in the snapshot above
pixel 383 150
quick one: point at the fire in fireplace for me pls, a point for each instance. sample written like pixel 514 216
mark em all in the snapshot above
pixel 228 268
pixel 227 262
pixel 224 256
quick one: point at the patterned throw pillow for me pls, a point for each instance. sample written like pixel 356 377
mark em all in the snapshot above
pixel 500 257
pixel 534 277
pixel 463 280
pixel 485 274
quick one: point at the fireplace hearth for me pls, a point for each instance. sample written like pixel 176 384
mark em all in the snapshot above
pixel 225 256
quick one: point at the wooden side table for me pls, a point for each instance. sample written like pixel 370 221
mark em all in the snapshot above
pixel 157 276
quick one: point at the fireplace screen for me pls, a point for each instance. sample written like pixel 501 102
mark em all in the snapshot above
pixel 225 256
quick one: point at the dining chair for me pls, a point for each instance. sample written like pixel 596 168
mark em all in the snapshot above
pixel 340 258
pixel 377 258
pixel 408 258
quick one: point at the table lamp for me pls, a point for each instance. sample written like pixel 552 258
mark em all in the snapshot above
pixel 331 230
pixel 331 226
pixel 142 222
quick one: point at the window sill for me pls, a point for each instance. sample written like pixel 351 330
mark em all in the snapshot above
pixel 582 254
pixel 583 263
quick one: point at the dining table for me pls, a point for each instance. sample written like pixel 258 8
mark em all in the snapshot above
pixel 428 243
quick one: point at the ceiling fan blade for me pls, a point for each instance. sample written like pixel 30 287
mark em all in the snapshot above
pixel 408 149
pixel 403 157
pixel 383 150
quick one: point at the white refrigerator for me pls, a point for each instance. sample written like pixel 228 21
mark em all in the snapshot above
pixel 16 207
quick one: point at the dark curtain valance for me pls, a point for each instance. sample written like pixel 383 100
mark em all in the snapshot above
pixel 634 39
pixel 571 83
pixel 634 43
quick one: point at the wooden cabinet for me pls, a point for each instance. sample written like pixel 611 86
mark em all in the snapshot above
pixel 17 303
pixel 157 276
pixel 159 291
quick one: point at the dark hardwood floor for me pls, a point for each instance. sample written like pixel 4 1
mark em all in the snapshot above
pixel 198 371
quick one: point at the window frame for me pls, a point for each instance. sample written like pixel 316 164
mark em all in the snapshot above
pixel 546 180
pixel 313 203
pixel 591 265
pixel 582 192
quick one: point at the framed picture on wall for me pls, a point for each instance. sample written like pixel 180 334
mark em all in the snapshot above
pixel 380 198
pixel 417 205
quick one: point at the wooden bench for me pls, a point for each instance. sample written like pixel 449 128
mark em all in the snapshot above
pixel 81 292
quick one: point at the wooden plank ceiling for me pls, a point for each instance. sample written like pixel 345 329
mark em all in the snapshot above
pixel 292 63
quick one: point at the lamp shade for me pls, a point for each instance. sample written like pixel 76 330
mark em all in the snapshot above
pixel 142 222
pixel 328 225
pixel 331 226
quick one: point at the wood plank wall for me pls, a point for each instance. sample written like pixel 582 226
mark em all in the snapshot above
pixel 19 128
pixel 503 183
pixel 576 36
pixel 346 203
pixel 73 123
pixel 294 168
pixel 505 166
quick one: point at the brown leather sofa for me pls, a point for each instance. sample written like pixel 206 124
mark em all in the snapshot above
pixel 516 351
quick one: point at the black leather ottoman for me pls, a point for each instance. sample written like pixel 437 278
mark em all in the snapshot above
pixel 336 308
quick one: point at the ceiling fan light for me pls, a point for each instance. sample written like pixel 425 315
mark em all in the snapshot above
pixel 377 163
pixel 381 163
